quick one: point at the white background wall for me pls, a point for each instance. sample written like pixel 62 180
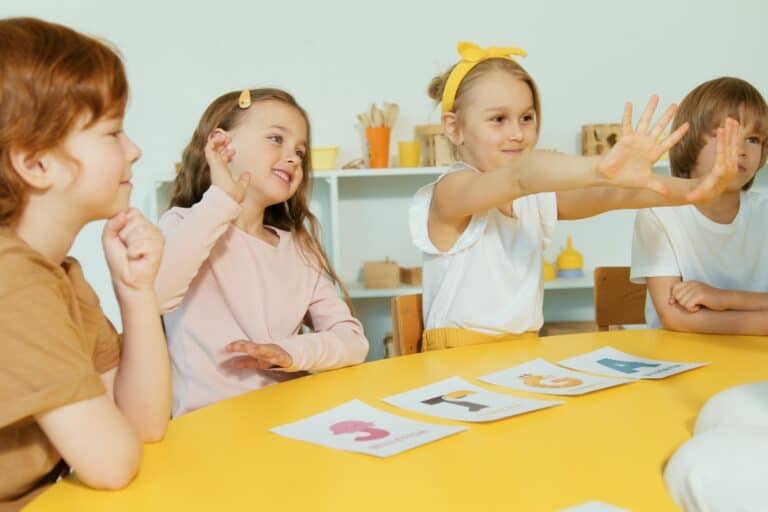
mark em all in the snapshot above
pixel 338 56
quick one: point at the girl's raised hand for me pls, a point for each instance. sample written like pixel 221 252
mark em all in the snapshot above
pixel 726 164
pixel 260 356
pixel 133 247
pixel 218 154
pixel 629 164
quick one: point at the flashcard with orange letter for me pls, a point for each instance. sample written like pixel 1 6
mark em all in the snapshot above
pixel 540 376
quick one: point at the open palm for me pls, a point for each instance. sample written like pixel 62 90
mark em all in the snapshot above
pixel 629 164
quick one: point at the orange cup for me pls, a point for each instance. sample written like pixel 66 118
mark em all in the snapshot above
pixel 378 146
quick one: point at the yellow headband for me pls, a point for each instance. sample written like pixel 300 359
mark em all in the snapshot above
pixel 471 56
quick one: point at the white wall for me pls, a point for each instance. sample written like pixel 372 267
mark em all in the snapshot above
pixel 337 56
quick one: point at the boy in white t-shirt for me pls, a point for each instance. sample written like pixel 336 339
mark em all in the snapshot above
pixel 706 265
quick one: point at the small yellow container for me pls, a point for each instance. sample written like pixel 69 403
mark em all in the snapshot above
pixel 410 153
pixel 324 157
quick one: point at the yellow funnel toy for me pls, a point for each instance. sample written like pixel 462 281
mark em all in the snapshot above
pixel 570 262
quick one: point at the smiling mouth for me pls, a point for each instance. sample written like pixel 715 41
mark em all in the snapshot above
pixel 283 175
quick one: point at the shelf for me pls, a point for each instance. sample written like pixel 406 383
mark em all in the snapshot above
pixel 358 291
pixel 373 173
pixel 571 283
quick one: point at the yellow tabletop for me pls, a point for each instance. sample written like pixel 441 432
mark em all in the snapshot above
pixel 610 445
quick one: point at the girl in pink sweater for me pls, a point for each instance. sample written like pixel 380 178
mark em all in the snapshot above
pixel 241 274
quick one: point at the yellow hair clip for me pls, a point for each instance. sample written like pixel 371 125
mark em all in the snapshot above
pixel 471 56
pixel 244 101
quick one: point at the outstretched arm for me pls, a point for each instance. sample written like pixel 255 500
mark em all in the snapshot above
pixel 578 204
pixel 629 165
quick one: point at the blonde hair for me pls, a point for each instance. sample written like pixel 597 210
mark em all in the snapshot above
pixel 437 84
pixel 194 176
pixel 705 108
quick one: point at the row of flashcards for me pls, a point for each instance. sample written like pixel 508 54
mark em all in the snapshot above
pixel 358 427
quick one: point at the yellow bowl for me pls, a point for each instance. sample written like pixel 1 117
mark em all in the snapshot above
pixel 324 157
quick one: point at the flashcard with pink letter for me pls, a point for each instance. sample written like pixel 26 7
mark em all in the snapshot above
pixel 357 427
pixel 540 376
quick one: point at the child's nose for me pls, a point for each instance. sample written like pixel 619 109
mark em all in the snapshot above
pixel 133 152
pixel 742 147
pixel 515 133
pixel 292 158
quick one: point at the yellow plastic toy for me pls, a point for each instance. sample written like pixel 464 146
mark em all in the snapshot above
pixel 570 262
pixel 548 270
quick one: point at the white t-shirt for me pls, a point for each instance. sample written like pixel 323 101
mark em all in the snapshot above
pixel 490 280
pixel 680 241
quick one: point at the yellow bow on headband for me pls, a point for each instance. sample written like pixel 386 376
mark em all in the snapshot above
pixel 472 55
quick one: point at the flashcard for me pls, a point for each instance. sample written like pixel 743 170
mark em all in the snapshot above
pixel 594 506
pixel 540 376
pixel 357 427
pixel 457 399
pixel 609 361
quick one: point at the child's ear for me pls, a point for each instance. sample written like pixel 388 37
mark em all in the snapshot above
pixel 451 128
pixel 31 168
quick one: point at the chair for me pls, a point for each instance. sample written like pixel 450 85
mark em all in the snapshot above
pixel 407 323
pixel 617 300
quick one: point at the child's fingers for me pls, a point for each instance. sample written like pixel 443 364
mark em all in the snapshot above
pixel 113 226
pixel 626 119
pixel 244 179
pixel 242 362
pixel 238 346
pixel 732 144
pixel 645 119
pixel 663 121
pixel 673 138
pixel 142 248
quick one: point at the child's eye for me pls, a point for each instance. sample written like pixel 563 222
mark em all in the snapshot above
pixel 528 118
pixel 497 119
pixel 277 139
pixel 754 140
pixel 301 154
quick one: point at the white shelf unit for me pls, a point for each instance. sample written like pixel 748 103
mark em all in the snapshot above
pixel 364 216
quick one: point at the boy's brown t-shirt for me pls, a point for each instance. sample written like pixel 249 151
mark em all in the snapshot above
pixel 54 343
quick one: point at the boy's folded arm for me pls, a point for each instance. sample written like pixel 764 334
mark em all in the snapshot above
pixel 96 440
pixel 677 318
pixel 189 237
pixel 746 301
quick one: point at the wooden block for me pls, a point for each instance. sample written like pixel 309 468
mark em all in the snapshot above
pixel 597 139
pixel 411 275
pixel 438 150
pixel 381 274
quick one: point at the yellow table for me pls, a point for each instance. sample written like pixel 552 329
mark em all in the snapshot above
pixel 610 445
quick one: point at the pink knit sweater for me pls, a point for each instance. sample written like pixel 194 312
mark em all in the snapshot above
pixel 218 284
